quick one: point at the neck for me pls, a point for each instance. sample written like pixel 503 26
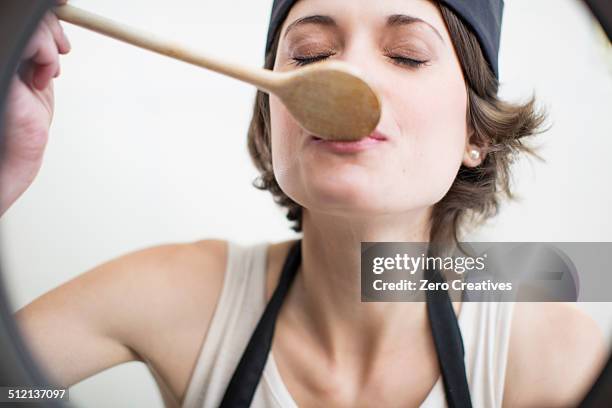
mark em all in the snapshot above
pixel 329 284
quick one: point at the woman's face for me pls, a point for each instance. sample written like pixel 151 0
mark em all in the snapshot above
pixel 403 49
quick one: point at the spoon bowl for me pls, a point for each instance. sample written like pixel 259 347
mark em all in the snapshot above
pixel 331 101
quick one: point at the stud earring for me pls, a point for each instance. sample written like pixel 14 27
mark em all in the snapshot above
pixel 475 154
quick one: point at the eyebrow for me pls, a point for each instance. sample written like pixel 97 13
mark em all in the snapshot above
pixel 326 21
pixel 403 19
pixel 394 20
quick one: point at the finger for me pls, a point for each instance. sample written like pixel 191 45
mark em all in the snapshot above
pixel 35 42
pixel 46 60
pixel 43 75
pixel 61 40
pixel 60 2
pixel 66 42
pixel 46 54
pixel 41 36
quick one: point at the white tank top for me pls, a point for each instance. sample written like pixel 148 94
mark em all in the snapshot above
pixel 485 327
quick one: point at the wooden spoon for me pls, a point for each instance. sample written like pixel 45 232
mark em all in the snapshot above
pixel 328 99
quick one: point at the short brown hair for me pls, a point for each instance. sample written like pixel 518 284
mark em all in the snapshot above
pixel 499 129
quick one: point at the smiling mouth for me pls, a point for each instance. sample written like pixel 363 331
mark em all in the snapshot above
pixel 354 146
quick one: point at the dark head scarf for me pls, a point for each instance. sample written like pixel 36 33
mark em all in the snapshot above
pixel 483 17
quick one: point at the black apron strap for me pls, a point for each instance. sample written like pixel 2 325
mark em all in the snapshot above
pixel 243 384
pixel 445 330
pixel 449 345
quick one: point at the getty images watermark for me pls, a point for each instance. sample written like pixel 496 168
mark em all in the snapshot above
pixel 487 271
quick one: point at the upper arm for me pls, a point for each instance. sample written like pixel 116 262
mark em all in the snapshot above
pixel 556 352
pixel 124 310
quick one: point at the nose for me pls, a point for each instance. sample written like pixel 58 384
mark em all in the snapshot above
pixel 362 53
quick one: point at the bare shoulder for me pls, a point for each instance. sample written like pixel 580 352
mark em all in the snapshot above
pixel 162 280
pixel 152 305
pixel 167 296
pixel 174 291
pixel 170 270
pixel 556 352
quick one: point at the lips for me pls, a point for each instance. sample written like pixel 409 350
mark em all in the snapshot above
pixel 376 135
pixel 375 139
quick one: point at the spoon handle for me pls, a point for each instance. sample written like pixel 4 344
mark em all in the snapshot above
pixel 263 79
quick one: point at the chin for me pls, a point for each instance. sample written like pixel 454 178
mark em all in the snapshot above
pixel 346 197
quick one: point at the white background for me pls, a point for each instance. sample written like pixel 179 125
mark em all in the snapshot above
pixel 146 150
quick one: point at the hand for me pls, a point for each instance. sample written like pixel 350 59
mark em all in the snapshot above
pixel 29 109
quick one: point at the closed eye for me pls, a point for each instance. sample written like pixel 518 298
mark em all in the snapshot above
pixel 305 60
pixel 404 61
pixel 399 60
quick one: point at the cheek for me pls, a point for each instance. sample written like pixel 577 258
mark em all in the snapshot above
pixel 286 135
pixel 432 121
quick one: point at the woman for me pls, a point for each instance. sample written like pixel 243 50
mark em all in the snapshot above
pixel 188 310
